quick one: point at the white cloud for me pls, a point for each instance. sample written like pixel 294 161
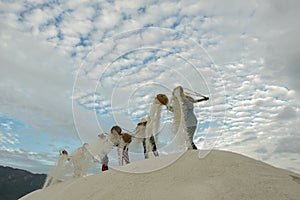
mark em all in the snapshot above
pixel 287 113
pixel 19 158
pixel 288 145
pixel 109 19
pixel 8 138
pixel 36 82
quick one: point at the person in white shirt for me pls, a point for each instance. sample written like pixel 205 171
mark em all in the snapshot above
pixel 106 142
pixel 61 166
pixel 141 135
pixel 185 105
pixel 147 130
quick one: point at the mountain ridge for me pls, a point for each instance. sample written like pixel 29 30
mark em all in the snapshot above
pixel 15 183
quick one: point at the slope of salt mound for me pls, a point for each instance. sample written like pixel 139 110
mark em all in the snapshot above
pixel 219 175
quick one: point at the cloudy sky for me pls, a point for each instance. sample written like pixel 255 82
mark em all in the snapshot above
pixel 72 69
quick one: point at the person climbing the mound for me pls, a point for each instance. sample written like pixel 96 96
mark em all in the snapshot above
pixel 147 130
pixel 106 142
pixel 81 159
pixel 106 146
pixel 184 105
pixel 140 133
pixel 122 141
pixel 61 166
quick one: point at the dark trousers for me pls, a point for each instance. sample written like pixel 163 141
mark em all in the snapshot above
pixel 153 146
pixel 191 131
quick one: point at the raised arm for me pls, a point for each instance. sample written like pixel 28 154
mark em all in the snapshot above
pixel 203 99
pixel 197 100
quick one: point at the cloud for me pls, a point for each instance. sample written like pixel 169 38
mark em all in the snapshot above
pixel 287 113
pixel 288 145
pixel 8 138
pixel 36 82
pixel 31 161
pixel 262 150
pixel 278 20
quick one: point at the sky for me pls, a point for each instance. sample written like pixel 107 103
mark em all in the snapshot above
pixel 72 69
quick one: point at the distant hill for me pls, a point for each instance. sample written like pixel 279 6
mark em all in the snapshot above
pixel 15 183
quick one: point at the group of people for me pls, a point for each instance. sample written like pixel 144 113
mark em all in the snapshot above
pixel 146 131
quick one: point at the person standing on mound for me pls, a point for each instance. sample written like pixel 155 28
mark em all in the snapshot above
pixel 185 104
pixel 140 134
pixel 148 129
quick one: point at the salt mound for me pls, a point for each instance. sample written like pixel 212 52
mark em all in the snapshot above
pixel 219 175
